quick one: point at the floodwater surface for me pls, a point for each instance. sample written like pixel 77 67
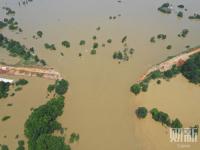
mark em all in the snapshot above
pixel 99 104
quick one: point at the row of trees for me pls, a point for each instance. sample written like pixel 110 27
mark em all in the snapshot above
pixel 143 86
pixel 17 49
pixel 159 116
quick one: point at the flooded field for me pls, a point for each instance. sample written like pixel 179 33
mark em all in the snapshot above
pixel 99 104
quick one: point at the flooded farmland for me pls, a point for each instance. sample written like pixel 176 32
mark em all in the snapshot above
pixel 99 105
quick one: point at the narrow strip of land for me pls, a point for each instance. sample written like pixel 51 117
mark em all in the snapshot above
pixel 168 64
pixel 43 72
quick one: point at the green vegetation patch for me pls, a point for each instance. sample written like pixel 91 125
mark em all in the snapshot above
pixel 4 147
pixel 21 82
pixel 195 17
pixel 5 118
pixel 42 123
pixel 4 89
pixel 165 8
pixel 141 112
pixel 60 87
pixel 191 69
pixel 15 48
pixel 74 138
pixel 66 44
pixel 183 33
pixel 50 46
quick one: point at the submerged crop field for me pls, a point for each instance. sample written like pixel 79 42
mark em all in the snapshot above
pixel 103 75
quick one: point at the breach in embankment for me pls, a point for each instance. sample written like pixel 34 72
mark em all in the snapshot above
pixel 187 63
pixel 43 72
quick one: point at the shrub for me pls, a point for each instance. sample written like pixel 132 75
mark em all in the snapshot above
pixel 176 124
pixel 4 147
pixel 5 118
pixel 74 138
pixel 93 52
pixel 50 46
pixel 169 47
pixel 95 45
pixel 39 33
pixel 51 88
pixel 141 112
pixel 61 87
pixel 180 14
pixel 124 39
pixel 135 89
pixel 66 44
pixel 82 42
pixel 4 89
pixel 109 41
pixel 21 82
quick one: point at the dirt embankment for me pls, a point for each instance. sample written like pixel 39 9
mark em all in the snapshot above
pixel 47 73
pixel 168 64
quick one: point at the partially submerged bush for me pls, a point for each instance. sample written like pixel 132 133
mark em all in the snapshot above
pixel 135 89
pixel 66 44
pixel 141 112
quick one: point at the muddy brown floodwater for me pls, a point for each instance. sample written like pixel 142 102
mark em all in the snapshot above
pixel 99 104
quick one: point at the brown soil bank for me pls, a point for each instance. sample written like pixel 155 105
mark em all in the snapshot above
pixel 47 73
pixel 167 65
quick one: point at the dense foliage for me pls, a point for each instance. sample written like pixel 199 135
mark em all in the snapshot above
pixel 4 89
pixel 191 69
pixel 20 145
pixel 4 147
pixel 165 119
pixel 60 87
pixel 15 48
pixel 42 122
pixel 49 142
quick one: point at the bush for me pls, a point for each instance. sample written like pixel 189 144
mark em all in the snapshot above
pixel 135 89
pixel 141 112
pixel 93 52
pixel 4 89
pixel 82 42
pixel 176 124
pixel 66 44
pixel 169 47
pixel 21 82
pixel 109 41
pixel 61 87
pixel 74 138
pixel 5 118
pixel 4 147
pixel 50 46
pixel 95 45
pixel 39 33
pixel 144 86
pixel 180 14
pixel 51 88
